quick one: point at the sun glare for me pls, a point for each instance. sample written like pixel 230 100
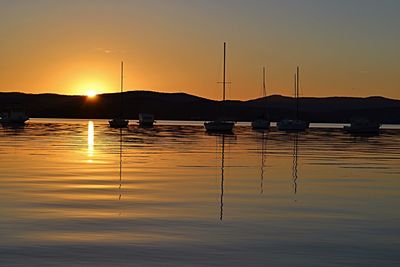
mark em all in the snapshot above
pixel 91 93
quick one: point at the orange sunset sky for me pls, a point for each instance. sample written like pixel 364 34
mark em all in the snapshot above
pixel 343 47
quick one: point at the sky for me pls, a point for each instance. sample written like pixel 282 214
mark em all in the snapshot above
pixel 343 47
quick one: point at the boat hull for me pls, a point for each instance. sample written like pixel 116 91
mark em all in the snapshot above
pixel 219 126
pixel 146 123
pixel 14 121
pixel 292 125
pixel 146 120
pixel 362 126
pixel 364 130
pixel 118 123
pixel 260 125
pixel 13 117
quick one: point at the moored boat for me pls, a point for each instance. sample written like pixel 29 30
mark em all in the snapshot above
pixel 292 125
pixel 146 120
pixel 260 124
pixel 219 126
pixel 13 116
pixel 363 126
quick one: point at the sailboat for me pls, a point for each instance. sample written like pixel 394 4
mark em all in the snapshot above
pixel 120 122
pixel 262 123
pixel 220 125
pixel 295 125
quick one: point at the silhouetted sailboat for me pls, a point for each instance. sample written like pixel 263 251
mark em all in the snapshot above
pixel 262 123
pixel 221 125
pixel 295 125
pixel 120 122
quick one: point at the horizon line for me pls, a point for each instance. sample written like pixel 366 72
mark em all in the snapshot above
pixel 181 92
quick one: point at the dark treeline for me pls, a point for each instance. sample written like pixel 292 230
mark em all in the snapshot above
pixel 181 106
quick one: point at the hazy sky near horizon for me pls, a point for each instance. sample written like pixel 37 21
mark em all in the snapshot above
pixel 343 47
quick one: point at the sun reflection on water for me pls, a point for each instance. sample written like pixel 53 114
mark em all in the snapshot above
pixel 90 140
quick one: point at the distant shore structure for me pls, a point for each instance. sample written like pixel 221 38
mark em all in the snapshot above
pixel 221 125
pixel 120 122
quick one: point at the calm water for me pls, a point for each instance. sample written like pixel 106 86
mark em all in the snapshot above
pixel 77 193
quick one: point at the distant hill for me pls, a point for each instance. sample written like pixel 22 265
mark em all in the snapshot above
pixel 181 106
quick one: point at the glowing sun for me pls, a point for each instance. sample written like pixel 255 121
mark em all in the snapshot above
pixel 91 93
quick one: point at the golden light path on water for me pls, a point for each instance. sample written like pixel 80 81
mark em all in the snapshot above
pixel 90 141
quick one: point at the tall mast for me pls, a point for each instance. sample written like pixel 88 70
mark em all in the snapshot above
pixel 122 87
pixel 297 92
pixel 264 87
pixel 224 74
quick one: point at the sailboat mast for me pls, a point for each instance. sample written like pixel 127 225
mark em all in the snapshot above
pixel 122 87
pixel 264 87
pixel 297 92
pixel 224 74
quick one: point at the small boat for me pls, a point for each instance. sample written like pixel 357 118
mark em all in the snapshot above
pixel 120 122
pixel 261 123
pixel 363 126
pixel 146 120
pixel 292 125
pixel 13 116
pixel 295 125
pixel 221 125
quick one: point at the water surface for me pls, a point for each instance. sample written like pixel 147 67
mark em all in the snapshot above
pixel 77 193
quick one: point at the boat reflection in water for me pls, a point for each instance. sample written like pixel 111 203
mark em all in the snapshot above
pixel 295 161
pixel 221 214
pixel 221 139
pixel 264 139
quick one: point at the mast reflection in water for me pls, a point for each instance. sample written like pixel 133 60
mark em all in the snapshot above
pixel 295 161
